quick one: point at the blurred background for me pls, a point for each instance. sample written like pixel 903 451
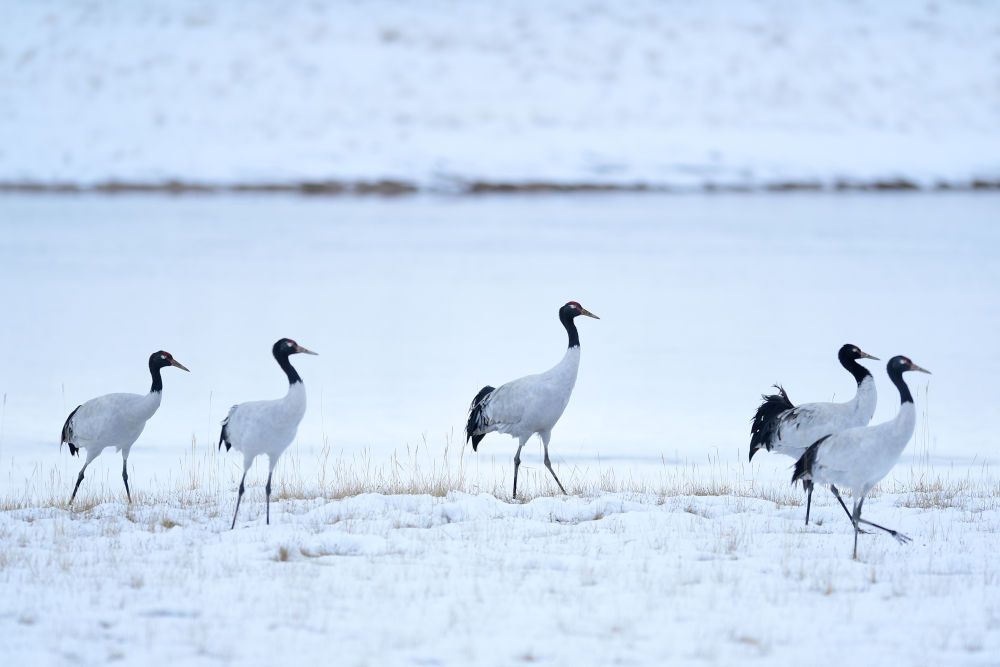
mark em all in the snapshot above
pixel 413 189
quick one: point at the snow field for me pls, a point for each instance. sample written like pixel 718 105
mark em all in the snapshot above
pixel 444 95
pixel 682 575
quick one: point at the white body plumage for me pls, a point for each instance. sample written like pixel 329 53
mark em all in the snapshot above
pixel 805 424
pixel 859 457
pixel 534 403
pixel 112 420
pixel 266 427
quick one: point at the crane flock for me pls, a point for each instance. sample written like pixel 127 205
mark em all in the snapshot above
pixel 832 443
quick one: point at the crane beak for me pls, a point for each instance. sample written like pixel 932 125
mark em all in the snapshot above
pixel 914 367
pixel 299 348
pixel 865 355
pixel 584 311
pixel 174 362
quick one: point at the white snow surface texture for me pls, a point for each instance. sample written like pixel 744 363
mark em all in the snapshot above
pixel 472 580
pixel 439 93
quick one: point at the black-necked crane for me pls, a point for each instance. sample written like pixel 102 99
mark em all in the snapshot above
pixel 115 420
pixel 532 404
pixel 859 457
pixel 779 426
pixel 267 427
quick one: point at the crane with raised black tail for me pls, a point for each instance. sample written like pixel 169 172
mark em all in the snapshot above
pixel 779 426
pixel 115 420
pixel 531 404
pixel 859 457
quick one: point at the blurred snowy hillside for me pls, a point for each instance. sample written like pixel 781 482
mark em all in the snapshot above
pixel 449 94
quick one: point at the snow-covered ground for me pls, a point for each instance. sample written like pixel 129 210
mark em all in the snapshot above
pixel 470 579
pixel 440 94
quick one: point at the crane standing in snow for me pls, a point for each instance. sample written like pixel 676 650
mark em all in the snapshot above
pixel 532 404
pixel 781 427
pixel 267 427
pixel 859 457
pixel 114 420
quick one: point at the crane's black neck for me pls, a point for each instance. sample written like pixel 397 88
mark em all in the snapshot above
pixel 896 375
pixel 567 321
pixel 154 370
pixel 854 368
pixel 286 366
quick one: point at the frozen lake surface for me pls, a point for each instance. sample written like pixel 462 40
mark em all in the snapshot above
pixel 415 303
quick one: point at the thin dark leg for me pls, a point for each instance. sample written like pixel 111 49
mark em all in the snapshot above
pixel 857 515
pixel 854 518
pixel 125 477
pixel 238 499
pixel 517 464
pixel 267 490
pixel 549 466
pixel 545 443
pixel 809 497
pixel 78 480
pixel 900 537
pixel 844 505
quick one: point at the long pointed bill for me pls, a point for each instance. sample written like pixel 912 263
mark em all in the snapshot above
pixel 914 367
pixel 174 362
pixel 865 355
pixel 584 311
pixel 299 348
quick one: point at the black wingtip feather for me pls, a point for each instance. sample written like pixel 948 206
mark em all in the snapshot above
pixel 764 427
pixel 224 436
pixel 477 419
pixel 67 432
pixel 804 466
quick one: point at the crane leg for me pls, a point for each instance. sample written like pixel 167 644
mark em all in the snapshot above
pixel 267 491
pixel 855 518
pixel 78 480
pixel 902 539
pixel 548 464
pixel 517 464
pixel 808 484
pixel 125 477
pixel 239 498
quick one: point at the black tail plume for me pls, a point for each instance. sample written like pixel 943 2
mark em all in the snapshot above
pixel 804 466
pixel 224 435
pixel 67 433
pixel 477 419
pixel 764 428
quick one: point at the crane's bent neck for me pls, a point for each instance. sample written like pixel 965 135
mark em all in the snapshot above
pixel 574 336
pixel 286 366
pixel 904 391
pixel 854 368
pixel 157 386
